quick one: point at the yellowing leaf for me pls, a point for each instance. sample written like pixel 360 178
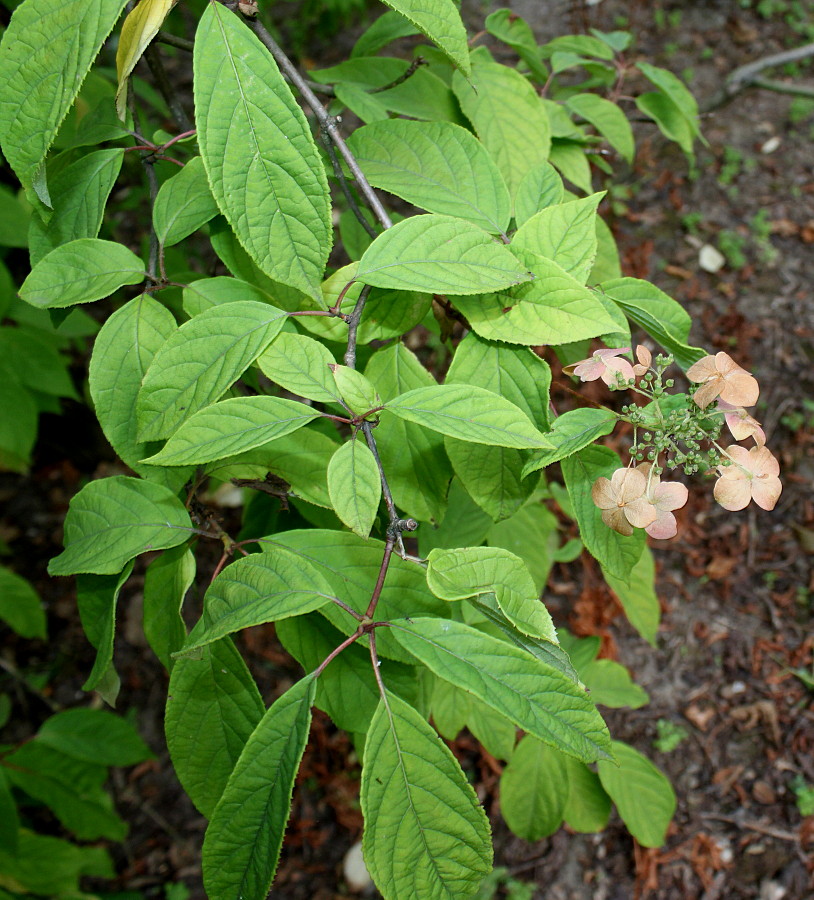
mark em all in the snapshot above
pixel 140 27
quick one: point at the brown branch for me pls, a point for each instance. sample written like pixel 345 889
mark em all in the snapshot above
pixel 166 88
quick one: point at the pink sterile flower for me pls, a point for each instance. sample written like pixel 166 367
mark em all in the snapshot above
pixel 622 501
pixel 741 424
pixel 753 475
pixel 664 497
pixel 645 360
pixel 604 364
pixel 720 376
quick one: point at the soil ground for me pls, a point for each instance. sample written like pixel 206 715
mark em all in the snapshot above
pixel 736 590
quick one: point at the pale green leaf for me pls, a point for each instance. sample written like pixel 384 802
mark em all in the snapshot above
pixel 510 28
pixel 413 457
pixel 536 697
pixel 493 730
pixel 231 427
pixel 213 706
pixel 534 790
pixel 300 365
pixel 441 22
pixel 669 118
pixel 368 107
pixel 677 92
pixel 45 54
pixel 665 320
pixel 541 187
pixel 617 554
pixel 261 160
pixel 200 361
pixel 94 736
pixel 113 520
pixel 198 296
pixel 436 166
pixel 255 589
pixel 354 486
pixel 555 308
pixel 243 840
pixel 508 117
pixel 139 29
pixel 184 202
pixel 450 706
pixel 608 119
pixel 166 582
pixel 610 685
pixel 425 834
pixel 20 605
pixel 439 254
pixel 79 194
pixel 638 596
pixel 81 271
pixel 356 391
pixel 607 264
pixel 588 807
pixel 468 413
pixel 468 572
pixel 122 353
pixel 642 794
pixel 572 431
pixel 422 96
pixel 570 159
pixel 565 233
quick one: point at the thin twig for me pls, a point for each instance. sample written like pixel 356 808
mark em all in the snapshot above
pixel 353 326
pixel 415 65
pixel 336 651
pixel 783 87
pixel 171 98
pixel 778 833
pixel 343 183
pixel 377 590
pixel 374 658
pixel 326 121
pixel 148 161
pixel 172 40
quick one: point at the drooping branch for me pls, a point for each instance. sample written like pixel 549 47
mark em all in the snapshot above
pixel 165 86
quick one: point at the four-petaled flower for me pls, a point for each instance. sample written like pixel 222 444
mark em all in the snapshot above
pixel 664 497
pixel 741 424
pixel 604 364
pixel 623 502
pixel 720 376
pixel 752 475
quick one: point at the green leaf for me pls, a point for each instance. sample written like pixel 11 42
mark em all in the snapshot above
pixel 80 272
pixel 166 582
pixel 573 431
pixel 617 553
pixel 351 565
pixel 389 27
pixel 18 427
pixel 425 834
pixel 356 391
pixel 355 486
pixel 534 790
pixel 122 353
pixel 14 219
pixel 45 54
pixel 441 22
pixel 451 707
pixel 610 685
pixel 243 840
pixel 531 534
pixel 300 365
pixel 261 160
pixel 9 820
pixel 642 794
pixel 508 27
pixel 436 166
pixel 198 296
pixel 541 187
pixel 459 574
pixel 347 689
pixel 73 789
pixel 565 233
pixel 607 263
pixel 555 308
pixel 50 866
pixel 139 29
pixel 536 697
pixel 508 117
pixel 94 736
pixel 464 523
pixel 33 355
pixel 495 732
pixel 262 587
pixel 570 159
pixel 422 96
pixel 200 361
pixel 638 596
pixel 580 44
pixel 97 597
pixel 184 202
pixel 588 806
pixel 79 194
pixel 231 427
pixel 678 94
pixel 413 457
pixel 20 605
pixel 439 254
pixel 658 314
pixel 672 124
pixel 213 706
pixel 608 120
pixel 468 413
pixel 113 520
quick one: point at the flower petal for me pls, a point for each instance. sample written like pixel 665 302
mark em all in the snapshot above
pixel 603 493
pixel 708 392
pixel 644 356
pixel 733 490
pixel 669 495
pixel 703 370
pixel 740 388
pixel 664 527
pixel 640 513
pixel 766 491
pixel 615 518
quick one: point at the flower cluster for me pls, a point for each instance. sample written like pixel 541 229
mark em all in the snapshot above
pixel 680 431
